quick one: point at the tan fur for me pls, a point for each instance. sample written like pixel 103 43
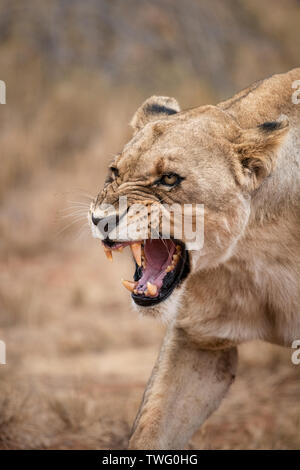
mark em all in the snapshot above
pixel 245 281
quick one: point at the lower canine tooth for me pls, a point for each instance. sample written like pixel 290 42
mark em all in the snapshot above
pixel 137 252
pixel 151 289
pixel 169 268
pixel 129 285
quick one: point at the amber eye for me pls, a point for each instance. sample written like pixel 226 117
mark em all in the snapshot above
pixel 170 179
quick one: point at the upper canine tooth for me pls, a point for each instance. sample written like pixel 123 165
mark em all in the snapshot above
pixel 108 253
pixel 130 285
pixel 151 289
pixel 137 252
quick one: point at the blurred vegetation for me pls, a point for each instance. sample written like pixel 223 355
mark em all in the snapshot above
pixel 70 65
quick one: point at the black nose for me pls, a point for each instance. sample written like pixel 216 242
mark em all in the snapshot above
pixel 106 224
pixel 95 220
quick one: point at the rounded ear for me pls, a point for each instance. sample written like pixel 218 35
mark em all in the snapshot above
pixel 256 149
pixel 153 109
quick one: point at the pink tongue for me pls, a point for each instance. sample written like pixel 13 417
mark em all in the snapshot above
pixel 158 255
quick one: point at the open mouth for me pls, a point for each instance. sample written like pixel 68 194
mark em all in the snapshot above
pixel 160 266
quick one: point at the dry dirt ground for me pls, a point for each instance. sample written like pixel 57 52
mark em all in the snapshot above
pixel 78 357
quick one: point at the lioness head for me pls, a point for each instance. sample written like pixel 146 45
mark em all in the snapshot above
pixel 196 157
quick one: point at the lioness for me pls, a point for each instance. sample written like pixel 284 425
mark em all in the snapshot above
pixel 241 160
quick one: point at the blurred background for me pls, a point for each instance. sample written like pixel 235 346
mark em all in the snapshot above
pixel 78 357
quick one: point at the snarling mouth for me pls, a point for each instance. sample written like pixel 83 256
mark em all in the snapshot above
pixel 160 266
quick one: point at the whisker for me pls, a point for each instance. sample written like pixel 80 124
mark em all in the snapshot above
pixel 82 230
pixel 68 226
pixel 74 208
pixel 78 203
pixel 74 216
pixel 69 213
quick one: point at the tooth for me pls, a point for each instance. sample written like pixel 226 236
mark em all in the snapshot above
pixel 169 268
pixel 175 258
pixel 143 258
pixel 137 252
pixel 108 253
pixel 129 285
pixel 120 249
pixel 178 249
pixel 151 289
